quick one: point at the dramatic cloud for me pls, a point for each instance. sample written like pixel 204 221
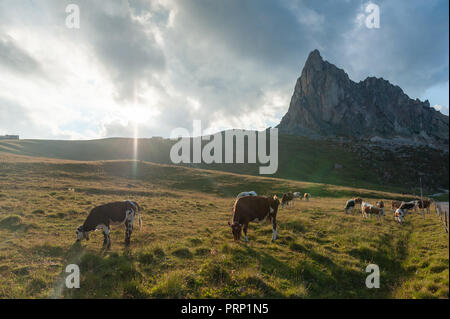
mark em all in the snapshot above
pixel 145 67
pixel 14 58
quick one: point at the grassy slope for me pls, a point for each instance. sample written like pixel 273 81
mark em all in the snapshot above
pixel 299 159
pixel 185 248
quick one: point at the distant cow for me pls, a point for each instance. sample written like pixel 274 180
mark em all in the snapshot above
pixel 408 205
pixel 380 204
pixel 351 204
pixel 370 210
pixel 287 198
pixel 298 195
pixel 243 194
pixel 399 214
pixel 254 209
pixel 364 204
pixel 306 196
pixel 103 216
pixel 442 211
pixel 423 204
pixel 395 204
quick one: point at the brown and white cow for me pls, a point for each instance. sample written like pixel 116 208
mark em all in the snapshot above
pixel 370 210
pixel 351 203
pixel 394 205
pixel 408 205
pixel 287 198
pixel 306 196
pixel 399 214
pixel 104 216
pixel 254 209
pixel 380 204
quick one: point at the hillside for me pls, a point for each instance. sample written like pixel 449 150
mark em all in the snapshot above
pixel 347 163
pixel 185 247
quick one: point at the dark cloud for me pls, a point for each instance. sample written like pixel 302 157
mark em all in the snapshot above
pixel 16 59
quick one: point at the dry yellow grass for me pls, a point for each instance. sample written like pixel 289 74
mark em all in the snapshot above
pixel 185 247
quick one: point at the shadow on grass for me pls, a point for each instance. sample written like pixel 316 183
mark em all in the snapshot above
pixel 324 278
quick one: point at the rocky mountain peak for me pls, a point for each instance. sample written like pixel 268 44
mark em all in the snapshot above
pixel 326 103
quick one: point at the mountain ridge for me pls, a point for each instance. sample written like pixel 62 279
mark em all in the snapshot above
pixel 327 103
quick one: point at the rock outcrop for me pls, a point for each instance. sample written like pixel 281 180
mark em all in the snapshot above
pixel 327 103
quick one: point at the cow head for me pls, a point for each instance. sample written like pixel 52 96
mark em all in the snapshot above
pixel 399 215
pixel 132 205
pixel 82 234
pixel 236 230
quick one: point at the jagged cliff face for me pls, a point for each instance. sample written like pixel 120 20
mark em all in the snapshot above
pixel 326 103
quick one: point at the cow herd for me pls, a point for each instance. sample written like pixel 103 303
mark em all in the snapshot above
pixel 248 207
pixel 399 208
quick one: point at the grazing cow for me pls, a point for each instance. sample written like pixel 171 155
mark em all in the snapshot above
pixel 298 195
pixel 242 194
pixel 399 215
pixel 254 209
pixel 370 210
pixel 364 204
pixel 306 196
pixel 408 205
pixel 380 204
pixel 103 216
pixel 423 204
pixel 351 204
pixel 287 198
pixel 395 204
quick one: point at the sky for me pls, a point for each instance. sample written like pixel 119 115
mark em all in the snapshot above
pixel 142 68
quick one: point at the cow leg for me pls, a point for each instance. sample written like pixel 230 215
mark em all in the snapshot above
pixel 128 228
pixel 106 237
pixel 245 232
pixel 274 228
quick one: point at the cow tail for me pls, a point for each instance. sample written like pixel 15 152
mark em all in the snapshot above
pixel 140 219
pixel 139 212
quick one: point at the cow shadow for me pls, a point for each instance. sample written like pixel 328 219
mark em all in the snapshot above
pixel 324 278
